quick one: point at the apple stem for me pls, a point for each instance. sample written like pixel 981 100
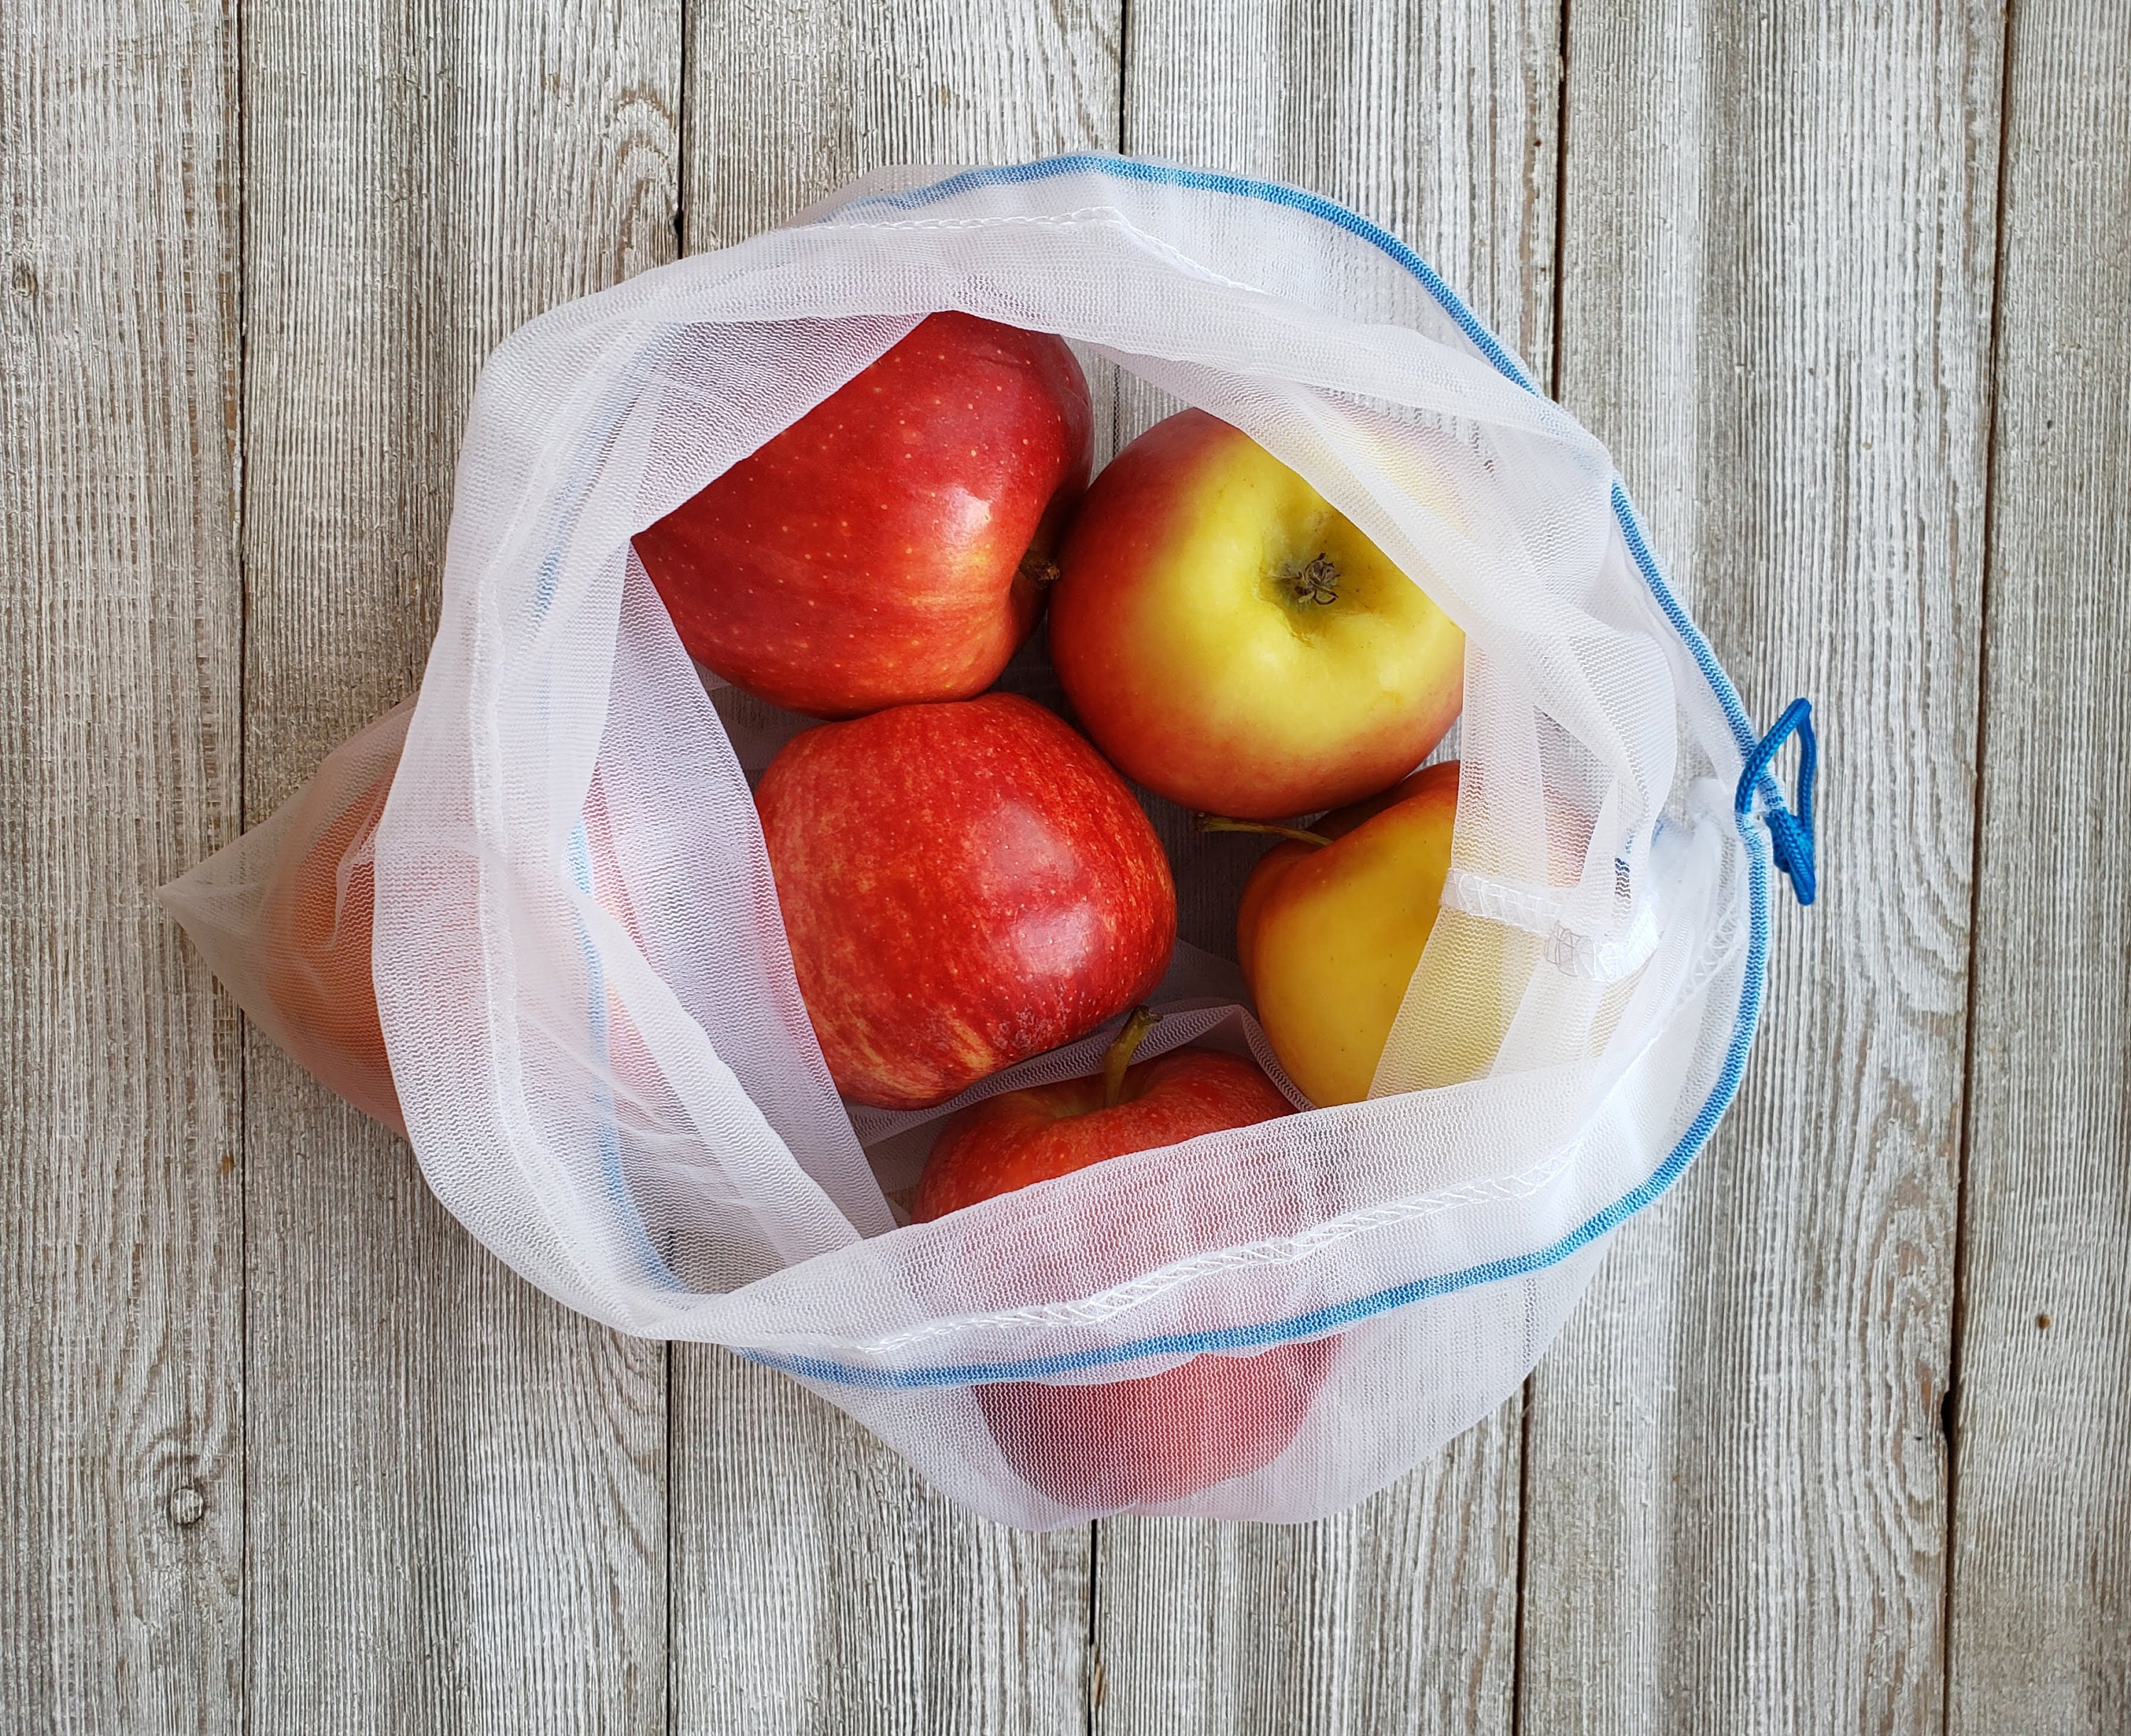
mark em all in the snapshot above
pixel 1295 833
pixel 1040 569
pixel 1319 581
pixel 1118 1055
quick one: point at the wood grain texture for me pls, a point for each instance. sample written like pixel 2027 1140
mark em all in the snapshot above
pixel 1439 123
pixel 2041 1605
pixel 458 1501
pixel 286 1452
pixel 1778 250
pixel 1398 1615
pixel 786 103
pixel 819 1585
pixel 121 1270
pixel 892 1610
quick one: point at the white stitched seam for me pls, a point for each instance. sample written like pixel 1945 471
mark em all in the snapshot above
pixel 1538 910
pixel 1280 1250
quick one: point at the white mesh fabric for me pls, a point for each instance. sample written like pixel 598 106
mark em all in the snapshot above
pixel 600 1052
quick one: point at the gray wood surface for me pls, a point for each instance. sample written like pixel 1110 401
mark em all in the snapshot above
pixel 457 1502
pixel 287 1452
pixel 121 1339
pixel 2040 1609
pixel 1737 1481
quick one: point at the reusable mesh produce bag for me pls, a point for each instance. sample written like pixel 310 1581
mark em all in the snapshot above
pixel 585 1009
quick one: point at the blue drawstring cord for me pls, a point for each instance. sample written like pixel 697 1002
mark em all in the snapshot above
pixel 1790 832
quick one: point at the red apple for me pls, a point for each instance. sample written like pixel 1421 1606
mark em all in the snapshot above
pixel 964 886
pixel 317 917
pixel 1234 643
pixel 316 925
pixel 1151 1438
pixel 888 547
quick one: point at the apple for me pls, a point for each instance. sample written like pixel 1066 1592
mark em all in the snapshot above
pixel 891 546
pixel 1332 925
pixel 317 915
pixel 1233 643
pixel 963 885
pixel 314 927
pixel 1018 1138
pixel 1150 1438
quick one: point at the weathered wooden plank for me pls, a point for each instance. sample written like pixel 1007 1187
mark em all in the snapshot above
pixel 1776 289
pixel 1398 1615
pixel 786 104
pixel 2041 1603
pixel 457 1489
pixel 121 1271
pixel 817 1584
pixel 1439 122
pixel 820 1585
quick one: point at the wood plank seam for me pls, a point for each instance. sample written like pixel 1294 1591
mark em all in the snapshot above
pixel 684 128
pixel 1553 388
pixel 1950 1405
pixel 241 291
pixel 2040 1578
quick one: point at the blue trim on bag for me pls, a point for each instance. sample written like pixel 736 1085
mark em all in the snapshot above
pixel 1320 1322
pixel 1206 180
pixel 1757 751
pixel 1790 834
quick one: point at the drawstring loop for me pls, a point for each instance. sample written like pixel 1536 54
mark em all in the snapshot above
pixel 1790 832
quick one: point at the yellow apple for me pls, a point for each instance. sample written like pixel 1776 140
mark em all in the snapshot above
pixel 1328 935
pixel 1233 643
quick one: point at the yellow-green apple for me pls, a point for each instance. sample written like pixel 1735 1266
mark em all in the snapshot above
pixel 891 546
pixel 1150 1438
pixel 1332 924
pixel 963 885
pixel 1235 643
